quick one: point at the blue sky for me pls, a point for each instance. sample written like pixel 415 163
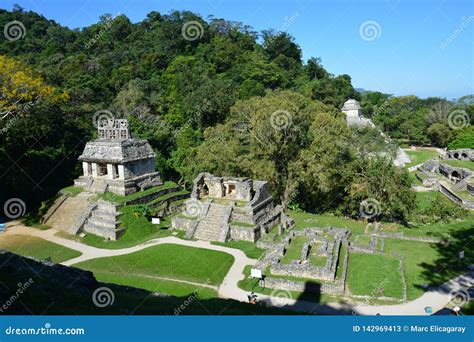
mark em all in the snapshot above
pixel 420 47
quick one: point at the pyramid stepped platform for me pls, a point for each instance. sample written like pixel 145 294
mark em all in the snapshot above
pixel 168 199
pixel 104 221
pixel 151 195
pixel 215 225
pixel 67 211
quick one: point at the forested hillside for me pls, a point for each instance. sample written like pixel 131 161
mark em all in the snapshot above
pixel 205 96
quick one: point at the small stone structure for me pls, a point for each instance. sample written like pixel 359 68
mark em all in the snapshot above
pixel 331 240
pixel 116 162
pixel 451 181
pixel 460 154
pixel 104 220
pixel 354 117
pixel 470 188
pixel 223 208
pixel 450 172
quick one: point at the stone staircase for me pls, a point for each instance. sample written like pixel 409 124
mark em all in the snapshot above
pixel 215 225
pixel 68 212
pixel 462 184
pixel 104 221
pixel 98 186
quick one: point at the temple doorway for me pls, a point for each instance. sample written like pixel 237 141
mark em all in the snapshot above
pixel 204 191
pixel 231 190
pixel 101 170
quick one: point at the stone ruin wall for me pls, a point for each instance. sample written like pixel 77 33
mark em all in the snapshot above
pixel 460 154
pixel 245 233
pixel 336 286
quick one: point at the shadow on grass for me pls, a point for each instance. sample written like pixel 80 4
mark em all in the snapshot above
pixel 53 289
pixel 454 257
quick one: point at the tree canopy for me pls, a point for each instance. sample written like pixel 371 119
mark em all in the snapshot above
pixel 220 98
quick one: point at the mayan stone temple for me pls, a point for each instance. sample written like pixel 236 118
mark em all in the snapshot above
pixel 223 208
pixel 354 117
pixel 116 162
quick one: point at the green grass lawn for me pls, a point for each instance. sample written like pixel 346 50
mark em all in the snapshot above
pixel 424 199
pixel 465 195
pixel 467 164
pixel 167 196
pixel 374 275
pixel 251 284
pixel 173 288
pixel 37 248
pixel 422 262
pixel 109 196
pixel 72 190
pixel 363 239
pixel 415 253
pixel 242 224
pixel 304 220
pixel 420 156
pixel 49 295
pixel 318 261
pixel 314 259
pixel 169 261
pixel 250 249
pixel 138 230
pixel 414 180
pixel 294 251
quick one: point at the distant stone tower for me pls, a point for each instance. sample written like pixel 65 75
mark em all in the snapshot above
pixel 354 114
pixel 116 162
pixel 354 118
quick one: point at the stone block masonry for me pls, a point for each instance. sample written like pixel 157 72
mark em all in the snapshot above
pixel 333 286
pixel 302 286
pixel 116 162
pixel 313 278
pixel 239 209
pixel 104 221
